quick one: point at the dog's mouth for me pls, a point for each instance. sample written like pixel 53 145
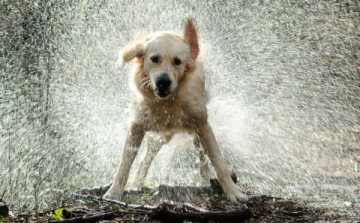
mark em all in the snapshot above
pixel 162 93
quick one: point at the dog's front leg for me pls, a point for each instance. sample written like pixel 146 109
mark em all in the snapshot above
pixel 154 143
pixel 204 162
pixel 133 141
pixel 211 147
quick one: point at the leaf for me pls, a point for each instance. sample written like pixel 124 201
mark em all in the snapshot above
pixel 57 215
pixel 3 219
pixel 115 208
pixel 54 217
pixel 145 197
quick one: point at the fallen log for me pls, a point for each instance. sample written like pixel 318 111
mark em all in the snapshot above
pixel 163 214
pixel 94 218
pixel 193 208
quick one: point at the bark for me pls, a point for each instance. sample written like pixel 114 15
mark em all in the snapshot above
pixel 165 215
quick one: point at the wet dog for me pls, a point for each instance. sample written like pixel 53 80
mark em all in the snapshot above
pixel 168 81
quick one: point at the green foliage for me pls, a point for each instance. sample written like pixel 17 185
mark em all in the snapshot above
pixel 115 207
pixel 146 197
pixel 57 214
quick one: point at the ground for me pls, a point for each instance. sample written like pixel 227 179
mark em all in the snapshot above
pixel 88 207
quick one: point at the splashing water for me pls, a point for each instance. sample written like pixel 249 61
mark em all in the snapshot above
pixel 285 75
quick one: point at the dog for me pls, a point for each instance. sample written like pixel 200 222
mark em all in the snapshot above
pixel 168 82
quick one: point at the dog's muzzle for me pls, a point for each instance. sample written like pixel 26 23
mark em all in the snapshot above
pixel 163 85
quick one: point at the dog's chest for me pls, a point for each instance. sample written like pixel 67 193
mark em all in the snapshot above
pixel 163 117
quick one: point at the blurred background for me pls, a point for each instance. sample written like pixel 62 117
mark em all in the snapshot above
pixel 284 78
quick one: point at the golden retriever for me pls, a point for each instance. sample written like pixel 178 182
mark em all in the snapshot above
pixel 168 81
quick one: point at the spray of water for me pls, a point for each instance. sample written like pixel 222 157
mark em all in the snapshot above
pixel 284 78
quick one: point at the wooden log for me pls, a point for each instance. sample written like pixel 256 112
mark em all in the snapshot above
pixel 193 208
pixel 94 218
pixel 165 215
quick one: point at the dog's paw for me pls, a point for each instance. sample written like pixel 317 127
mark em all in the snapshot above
pixel 234 194
pixel 112 194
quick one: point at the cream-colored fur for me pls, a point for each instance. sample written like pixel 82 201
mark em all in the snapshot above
pixel 181 110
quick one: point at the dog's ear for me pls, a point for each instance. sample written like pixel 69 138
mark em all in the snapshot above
pixel 191 38
pixel 131 51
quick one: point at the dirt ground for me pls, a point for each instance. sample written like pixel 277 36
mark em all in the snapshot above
pixel 142 206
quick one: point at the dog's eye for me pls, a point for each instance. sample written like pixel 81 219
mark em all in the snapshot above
pixel 177 61
pixel 154 59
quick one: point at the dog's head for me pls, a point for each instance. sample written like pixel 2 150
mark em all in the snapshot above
pixel 166 58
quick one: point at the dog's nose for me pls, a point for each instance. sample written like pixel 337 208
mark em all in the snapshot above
pixel 163 81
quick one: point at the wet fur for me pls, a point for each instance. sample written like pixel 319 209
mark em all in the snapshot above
pixel 184 110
